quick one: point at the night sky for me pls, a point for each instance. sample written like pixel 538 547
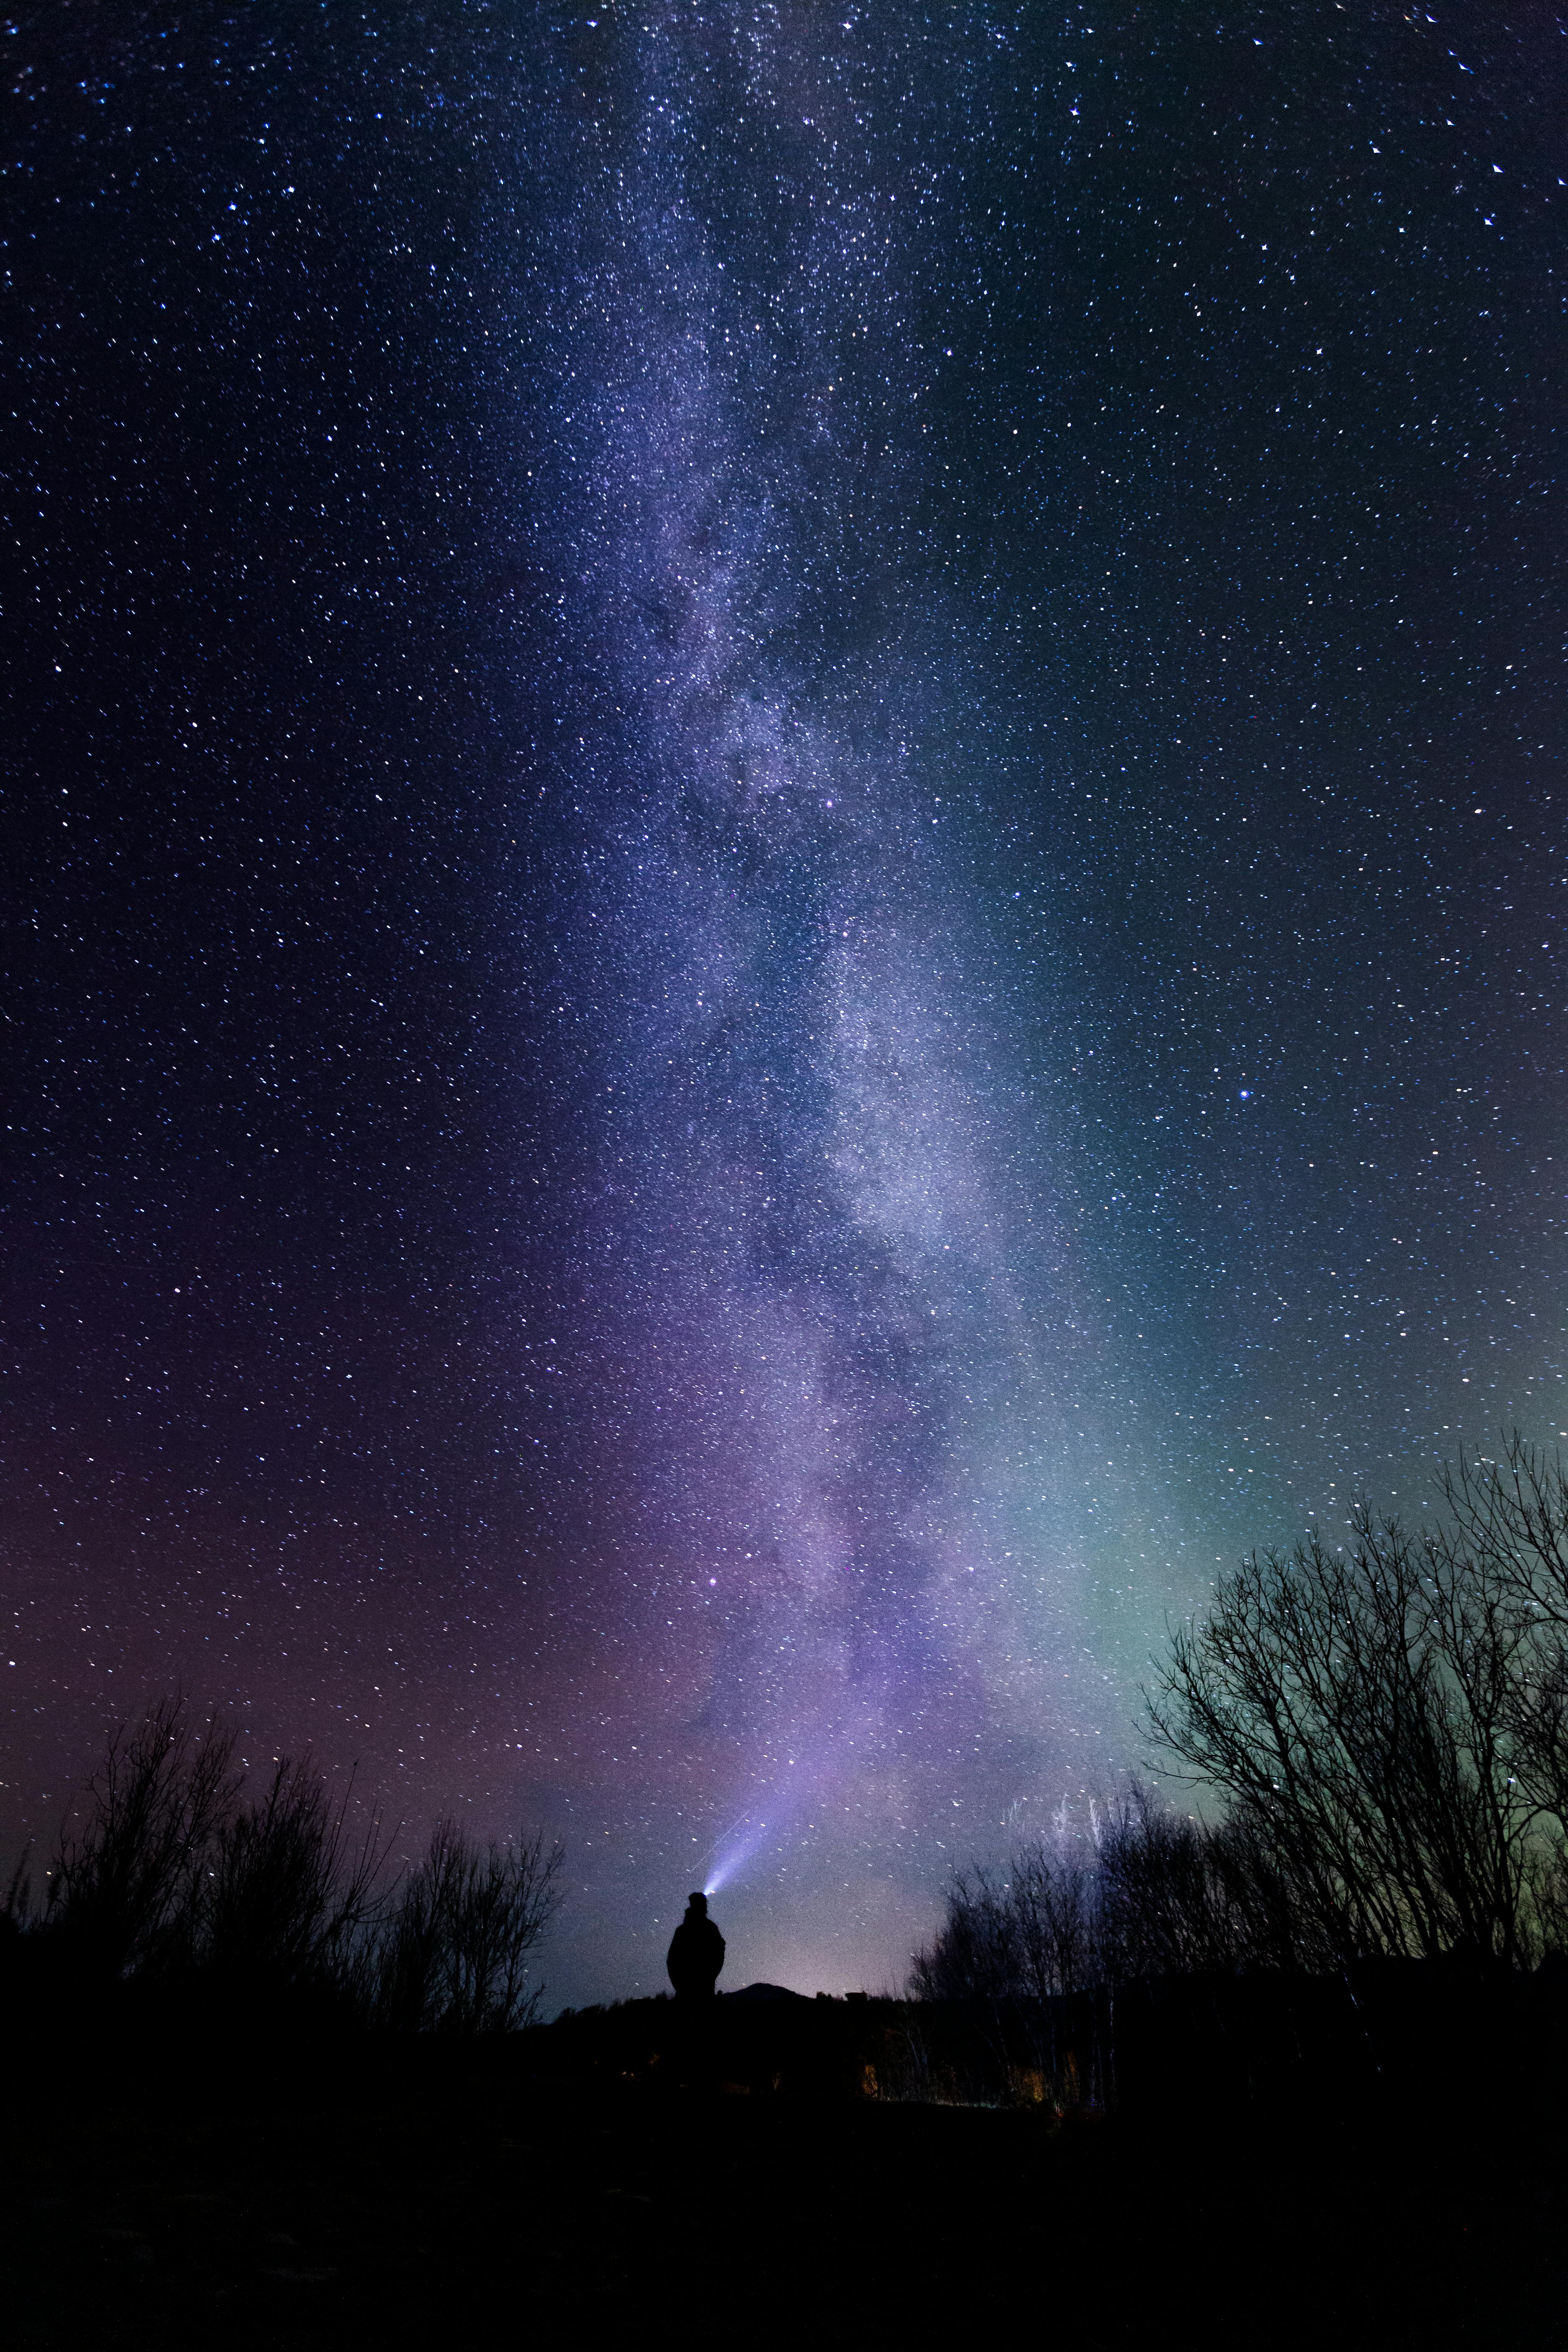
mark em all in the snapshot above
pixel 783 891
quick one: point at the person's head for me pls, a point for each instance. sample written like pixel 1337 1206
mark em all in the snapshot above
pixel 698 1902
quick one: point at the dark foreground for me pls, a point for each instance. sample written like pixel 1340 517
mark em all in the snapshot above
pixel 201 2190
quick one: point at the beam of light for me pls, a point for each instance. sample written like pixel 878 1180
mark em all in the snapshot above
pixel 775 1817
pixel 741 1847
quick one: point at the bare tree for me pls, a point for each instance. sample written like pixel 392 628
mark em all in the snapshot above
pixel 456 1952
pixel 1029 1931
pixel 974 1953
pixel 1510 1521
pixel 1355 1708
pixel 1054 1890
pixel 1164 1905
pixel 286 1891
pixel 122 1886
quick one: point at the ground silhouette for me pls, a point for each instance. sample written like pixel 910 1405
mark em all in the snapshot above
pixel 430 2189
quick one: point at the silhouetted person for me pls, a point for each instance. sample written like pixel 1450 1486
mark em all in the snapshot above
pixel 695 1953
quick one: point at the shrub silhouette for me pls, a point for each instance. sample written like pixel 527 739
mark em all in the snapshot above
pixel 284 1896
pixel 180 1874
pixel 123 1892
pixel 455 1952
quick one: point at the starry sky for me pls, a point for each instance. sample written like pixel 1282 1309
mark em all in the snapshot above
pixel 783 862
